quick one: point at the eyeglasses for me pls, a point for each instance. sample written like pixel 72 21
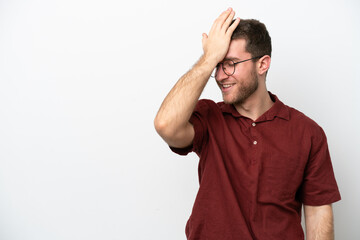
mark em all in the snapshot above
pixel 228 66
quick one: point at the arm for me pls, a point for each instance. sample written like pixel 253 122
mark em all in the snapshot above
pixel 172 120
pixel 319 222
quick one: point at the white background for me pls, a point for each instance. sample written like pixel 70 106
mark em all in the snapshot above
pixel 81 82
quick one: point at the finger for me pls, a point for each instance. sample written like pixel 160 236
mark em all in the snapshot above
pixel 204 38
pixel 224 14
pixel 232 27
pixel 220 20
pixel 223 17
pixel 228 21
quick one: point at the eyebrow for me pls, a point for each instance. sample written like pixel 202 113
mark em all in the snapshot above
pixel 234 59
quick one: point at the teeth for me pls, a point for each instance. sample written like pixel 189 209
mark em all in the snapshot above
pixel 226 85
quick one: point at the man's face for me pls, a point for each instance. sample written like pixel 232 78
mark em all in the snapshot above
pixel 244 82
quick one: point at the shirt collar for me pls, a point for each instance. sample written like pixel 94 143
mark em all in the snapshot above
pixel 279 109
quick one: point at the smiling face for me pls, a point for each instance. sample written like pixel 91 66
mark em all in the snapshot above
pixel 244 82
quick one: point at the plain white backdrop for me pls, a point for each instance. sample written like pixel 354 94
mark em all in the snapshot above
pixel 81 82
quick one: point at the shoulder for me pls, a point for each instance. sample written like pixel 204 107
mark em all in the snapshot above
pixel 209 110
pixel 208 105
pixel 207 102
pixel 305 123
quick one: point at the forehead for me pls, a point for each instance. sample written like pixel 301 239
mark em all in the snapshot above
pixel 237 50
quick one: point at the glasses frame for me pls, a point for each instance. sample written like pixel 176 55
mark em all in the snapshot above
pixel 234 63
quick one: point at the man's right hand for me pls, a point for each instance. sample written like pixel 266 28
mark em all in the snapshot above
pixel 172 120
pixel 216 44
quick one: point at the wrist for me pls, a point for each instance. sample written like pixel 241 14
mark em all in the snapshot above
pixel 208 61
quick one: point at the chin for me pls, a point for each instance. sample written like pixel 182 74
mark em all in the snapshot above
pixel 226 99
pixel 233 100
pixel 229 100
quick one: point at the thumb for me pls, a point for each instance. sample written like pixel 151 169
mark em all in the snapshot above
pixel 204 37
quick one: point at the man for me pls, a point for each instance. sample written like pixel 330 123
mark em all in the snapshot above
pixel 260 160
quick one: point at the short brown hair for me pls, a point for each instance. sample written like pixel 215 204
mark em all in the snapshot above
pixel 258 40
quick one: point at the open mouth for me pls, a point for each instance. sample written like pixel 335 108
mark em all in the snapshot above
pixel 226 87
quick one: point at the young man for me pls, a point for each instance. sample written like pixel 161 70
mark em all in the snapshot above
pixel 260 160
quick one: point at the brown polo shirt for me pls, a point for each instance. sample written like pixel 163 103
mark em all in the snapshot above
pixel 255 175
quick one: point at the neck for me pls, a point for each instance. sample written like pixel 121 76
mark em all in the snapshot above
pixel 256 105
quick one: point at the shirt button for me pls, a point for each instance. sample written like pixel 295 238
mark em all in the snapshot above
pixel 255 142
pixel 254 124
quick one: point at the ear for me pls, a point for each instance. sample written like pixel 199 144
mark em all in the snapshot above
pixel 264 64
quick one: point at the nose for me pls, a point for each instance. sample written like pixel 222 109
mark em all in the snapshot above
pixel 220 75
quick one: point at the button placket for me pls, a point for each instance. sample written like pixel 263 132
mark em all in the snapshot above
pixel 254 141
pixel 254 133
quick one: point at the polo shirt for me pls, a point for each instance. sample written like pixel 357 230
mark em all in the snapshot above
pixel 255 175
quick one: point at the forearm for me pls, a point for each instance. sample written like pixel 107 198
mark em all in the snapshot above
pixel 172 119
pixel 319 223
pixel 177 107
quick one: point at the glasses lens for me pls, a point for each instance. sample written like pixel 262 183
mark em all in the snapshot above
pixel 228 67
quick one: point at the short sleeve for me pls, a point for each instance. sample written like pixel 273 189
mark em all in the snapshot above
pixel 319 186
pixel 198 120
